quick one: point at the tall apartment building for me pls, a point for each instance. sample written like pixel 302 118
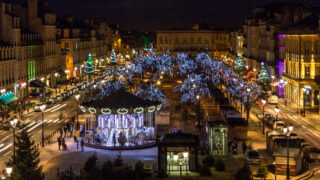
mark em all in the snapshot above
pixel 194 41
pixel 236 44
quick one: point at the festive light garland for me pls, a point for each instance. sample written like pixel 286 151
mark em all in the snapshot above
pixel 151 108
pixel 159 107
pixel 122 111
pixel 92 110
pixel 106 111
pixel 83 109
pixel 138 110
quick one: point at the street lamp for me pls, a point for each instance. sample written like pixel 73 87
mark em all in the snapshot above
pixel 13 124
pixel 66 71
pixel 287 131
pixel 56 75
pixel 277 111
pixel 9 171
pixel 180 162
pixel 304 101
pixel 263 104
pixel 42 107
pixel 77 98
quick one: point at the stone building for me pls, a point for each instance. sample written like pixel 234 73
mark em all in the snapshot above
pixel 30 49
pixel 236 44
pixel 302 62
pixel 260 32
pixel 193 41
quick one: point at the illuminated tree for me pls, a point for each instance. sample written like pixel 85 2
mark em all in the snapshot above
pixel 263 78
pixel 113 58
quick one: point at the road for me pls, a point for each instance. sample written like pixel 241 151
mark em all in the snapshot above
pixel 33 125
pixel 300 127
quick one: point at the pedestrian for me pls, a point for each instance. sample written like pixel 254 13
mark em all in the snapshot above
pixel 250 146
pixel 63 142
pixel 77 144
pixel 244 147
pixel 174 130
pixel 65 131
pixel 82 144
pixel 61 132
pixel 71 130
pixel 75 138
pixel 59 143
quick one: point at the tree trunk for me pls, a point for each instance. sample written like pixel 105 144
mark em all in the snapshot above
pixel 248 115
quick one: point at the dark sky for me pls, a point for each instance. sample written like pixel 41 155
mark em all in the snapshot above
pixel 149 15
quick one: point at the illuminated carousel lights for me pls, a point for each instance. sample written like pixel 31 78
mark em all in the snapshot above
pixel 151 109
pixel 159 107
pixel 106 111
pixel 83 109
pixel 122 111
pixel 92 110
pixel 138 110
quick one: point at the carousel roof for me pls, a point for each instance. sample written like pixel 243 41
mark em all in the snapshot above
pixel 120 99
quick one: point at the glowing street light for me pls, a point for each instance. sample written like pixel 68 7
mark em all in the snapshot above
pixel 287 131
pixel 263 104
pixel 77 98
pixel 42 108
pixel 13 124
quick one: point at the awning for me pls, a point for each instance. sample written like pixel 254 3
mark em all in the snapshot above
pixel 36 84
pixel 8 98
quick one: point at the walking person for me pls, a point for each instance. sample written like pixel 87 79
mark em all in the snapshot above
pixel 61 132
pixel 59 143
pixel 244 147
pixel 63 142
pixel 82 144
pixel 71 130
pixel 65 131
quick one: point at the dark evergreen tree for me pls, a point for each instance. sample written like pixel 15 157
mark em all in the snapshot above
pixel 27 159
pixel 91 168
pixel 244 173
pixel 106 170
pixel 118 162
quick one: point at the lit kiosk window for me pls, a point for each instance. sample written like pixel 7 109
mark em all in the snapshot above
pixel 177 153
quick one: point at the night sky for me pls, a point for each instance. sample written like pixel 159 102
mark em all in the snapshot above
pixel 150 15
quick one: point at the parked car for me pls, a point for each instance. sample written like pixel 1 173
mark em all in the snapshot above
pixel 253 157
pixel 49 103
pixel 278 125
pixel 37 107
pixel 273 99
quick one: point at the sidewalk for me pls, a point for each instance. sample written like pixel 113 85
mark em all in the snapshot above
pixel 52 158
pixel 311 117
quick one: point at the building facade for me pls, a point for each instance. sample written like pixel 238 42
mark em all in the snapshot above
pixel 236 44
pixel 260 32
pixel 215 43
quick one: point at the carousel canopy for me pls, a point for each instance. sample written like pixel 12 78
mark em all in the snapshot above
pixel 120 102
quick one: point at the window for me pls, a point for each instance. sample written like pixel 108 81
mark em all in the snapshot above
pixel 191 39
pixel 317 70
pixel 308 48
pixel 307 71
pixel 161 40
pixel 199 39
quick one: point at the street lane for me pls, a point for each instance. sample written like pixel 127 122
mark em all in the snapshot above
pixel 302 128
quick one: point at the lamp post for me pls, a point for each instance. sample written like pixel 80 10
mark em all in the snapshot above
pixel 304 101
pixel 287 131
pixel 67 71
pixel 263 103
pixel 13 124
pixel 8 171
pixel 275 170
pixel 180 162
pixel 56 75
pixel 42 108
pixel 277 111
pixel 77 98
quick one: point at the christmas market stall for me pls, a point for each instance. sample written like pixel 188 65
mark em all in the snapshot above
pixel 120 120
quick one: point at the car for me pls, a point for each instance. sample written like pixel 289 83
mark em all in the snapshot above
pixel 58 97
pixel 253 157
pixel 49 103
pixel 278 125
pixel 37 107
pixel 273 99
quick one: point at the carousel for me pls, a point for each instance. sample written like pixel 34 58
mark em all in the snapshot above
pixel 120 120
